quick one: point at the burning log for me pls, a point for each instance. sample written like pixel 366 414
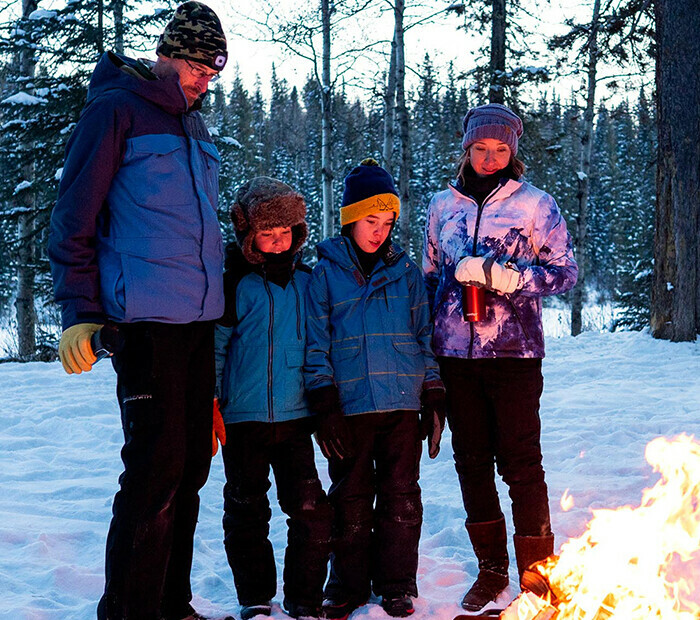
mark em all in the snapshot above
pixel 530 606
pixel 631 563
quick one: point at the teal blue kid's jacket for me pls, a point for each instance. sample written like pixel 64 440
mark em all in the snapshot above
pixel 371 337
pixel 259 357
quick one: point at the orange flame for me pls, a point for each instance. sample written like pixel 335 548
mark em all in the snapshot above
pixel 567 501
pixel 637 563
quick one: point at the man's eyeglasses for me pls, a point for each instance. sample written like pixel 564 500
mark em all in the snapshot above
pixel 199 73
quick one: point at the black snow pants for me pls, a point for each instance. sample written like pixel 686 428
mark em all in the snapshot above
pixel 251 449
pixel 378 510
pixel 165 387
pixel 493 413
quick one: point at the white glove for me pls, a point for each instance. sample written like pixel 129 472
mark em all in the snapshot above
pixel 486 272
pixel 470 270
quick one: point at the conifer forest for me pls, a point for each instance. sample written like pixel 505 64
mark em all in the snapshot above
pixel 610 105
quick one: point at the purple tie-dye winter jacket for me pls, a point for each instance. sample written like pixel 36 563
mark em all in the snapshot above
pixel 517 223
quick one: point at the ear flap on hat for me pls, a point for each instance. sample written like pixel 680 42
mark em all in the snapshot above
pixel 240 222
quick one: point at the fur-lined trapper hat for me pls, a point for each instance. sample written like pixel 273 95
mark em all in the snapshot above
pixel 264 203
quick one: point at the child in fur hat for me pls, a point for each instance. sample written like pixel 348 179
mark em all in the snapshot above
pixel 259 357
pixel 369 369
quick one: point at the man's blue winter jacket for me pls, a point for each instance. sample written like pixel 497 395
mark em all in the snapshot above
pixel 369 337
pixel 134 234
pixel 259 357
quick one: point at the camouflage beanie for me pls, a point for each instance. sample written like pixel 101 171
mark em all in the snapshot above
pixel 194 33
pixel 264 203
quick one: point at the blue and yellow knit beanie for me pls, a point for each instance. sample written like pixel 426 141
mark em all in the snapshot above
pixel 368 189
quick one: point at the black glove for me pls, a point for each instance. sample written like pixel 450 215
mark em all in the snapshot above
pixel 432 418
pixel 332 432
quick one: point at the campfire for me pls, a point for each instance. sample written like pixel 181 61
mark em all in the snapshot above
pixel 632 563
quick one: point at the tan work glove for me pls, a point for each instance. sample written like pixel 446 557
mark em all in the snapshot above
pixel 218 431
pixel 74 348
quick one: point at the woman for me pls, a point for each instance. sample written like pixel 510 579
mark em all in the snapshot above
pixel 493 231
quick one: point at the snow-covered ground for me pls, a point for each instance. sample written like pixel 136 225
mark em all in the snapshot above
pixel 606 396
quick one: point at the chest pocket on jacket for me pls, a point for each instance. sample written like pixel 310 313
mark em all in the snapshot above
pixel 211 162
pixel 156 171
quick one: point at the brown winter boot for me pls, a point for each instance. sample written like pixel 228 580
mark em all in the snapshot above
pixel 531 549
pixel 490 547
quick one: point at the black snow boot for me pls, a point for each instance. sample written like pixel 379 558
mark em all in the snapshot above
pixel 398 605
pixel 490 547
pixel 302 612
pixel 261 609
pixel 531 549
pixel 335 609
pixel 191 614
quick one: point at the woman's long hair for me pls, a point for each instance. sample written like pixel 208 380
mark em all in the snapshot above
pixel 515 166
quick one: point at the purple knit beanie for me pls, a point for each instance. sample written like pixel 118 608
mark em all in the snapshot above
pixel 492 120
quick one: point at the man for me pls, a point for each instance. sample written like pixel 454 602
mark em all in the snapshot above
pixel 135 241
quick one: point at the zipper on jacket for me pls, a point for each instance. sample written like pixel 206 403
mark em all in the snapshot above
pixel 189 139
pixel 479 210
pixel 296 294
pixel 270 349
pixel 471 339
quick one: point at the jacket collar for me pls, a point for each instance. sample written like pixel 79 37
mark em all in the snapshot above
pixel 502 192
pixel 339 250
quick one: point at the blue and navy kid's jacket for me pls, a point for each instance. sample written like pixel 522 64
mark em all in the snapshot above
pixel 371 337
pixel 259 345
pixel 134 234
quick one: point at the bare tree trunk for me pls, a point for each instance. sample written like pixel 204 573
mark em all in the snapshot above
pixel 497 66
pixel 404 137
pixel 390 110
pixel 326 154
pixel 24 304
pixel 100 27
pixel 583 176
pixel 118 15
pixel 675 295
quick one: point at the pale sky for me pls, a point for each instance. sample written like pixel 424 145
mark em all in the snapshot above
pixel 443 40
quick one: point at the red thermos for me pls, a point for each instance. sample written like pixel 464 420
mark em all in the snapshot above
pixel 473 303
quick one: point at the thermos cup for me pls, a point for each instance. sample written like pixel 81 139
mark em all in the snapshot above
pixel 107 341
pixel 473 303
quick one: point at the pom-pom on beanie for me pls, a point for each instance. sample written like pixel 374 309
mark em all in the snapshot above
pixel 194 33
pixel 264 203
pixel 492 120
pixel 368 189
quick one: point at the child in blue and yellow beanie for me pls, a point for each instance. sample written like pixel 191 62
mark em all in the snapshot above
pixel 370 207
pixel 369 369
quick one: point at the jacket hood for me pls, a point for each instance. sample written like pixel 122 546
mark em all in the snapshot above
pixel 115 72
